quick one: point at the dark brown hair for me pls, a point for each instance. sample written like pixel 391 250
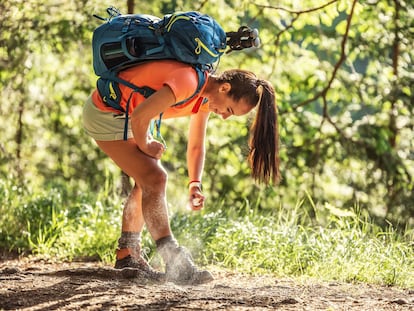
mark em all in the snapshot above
pixel 264 134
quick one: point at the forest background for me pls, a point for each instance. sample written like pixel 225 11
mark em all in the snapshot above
pixel 343 75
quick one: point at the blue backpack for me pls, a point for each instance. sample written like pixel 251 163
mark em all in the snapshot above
pixel 127 40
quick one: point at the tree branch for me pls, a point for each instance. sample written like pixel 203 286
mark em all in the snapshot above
pixel 293 11
pixel 131 6
pixel 337 65
pixel 395 59
pixel 297 13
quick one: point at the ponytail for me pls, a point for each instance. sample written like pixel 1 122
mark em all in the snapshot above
pixel 264 137
pixel 264 134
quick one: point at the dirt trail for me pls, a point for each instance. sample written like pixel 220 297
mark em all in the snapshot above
pixel 35 285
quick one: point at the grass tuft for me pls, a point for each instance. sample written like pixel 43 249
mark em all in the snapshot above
pixel 325 243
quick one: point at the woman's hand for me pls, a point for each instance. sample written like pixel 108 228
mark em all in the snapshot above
pixel 141 118
pixel 196 200
pixel 153 148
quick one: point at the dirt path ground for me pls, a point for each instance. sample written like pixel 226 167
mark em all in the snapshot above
pixel 30 285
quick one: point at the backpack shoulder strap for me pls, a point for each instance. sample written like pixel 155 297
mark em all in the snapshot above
pixel 147 91
pixel 202 79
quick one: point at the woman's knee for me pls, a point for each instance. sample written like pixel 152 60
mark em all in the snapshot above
pixel 153 179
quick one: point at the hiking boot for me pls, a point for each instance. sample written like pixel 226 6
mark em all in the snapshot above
pixel 180 268
pixel 133 261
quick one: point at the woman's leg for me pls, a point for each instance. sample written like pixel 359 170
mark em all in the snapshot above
pixel 150 189
pixel 129 244
pixel 151 179
pixel 132 219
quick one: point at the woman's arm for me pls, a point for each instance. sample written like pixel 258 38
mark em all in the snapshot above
pixel 142 116
pixel 196 156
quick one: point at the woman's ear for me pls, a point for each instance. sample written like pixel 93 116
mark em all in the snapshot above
pixel 225 87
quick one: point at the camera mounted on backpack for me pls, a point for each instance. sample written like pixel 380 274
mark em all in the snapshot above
pixel 243 38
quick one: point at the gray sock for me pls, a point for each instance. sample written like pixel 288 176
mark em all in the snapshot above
pixel 169 241
pixel 129 240
pixel 167 247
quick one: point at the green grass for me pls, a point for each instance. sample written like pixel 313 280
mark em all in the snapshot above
pixel 289 243
pixel 67 224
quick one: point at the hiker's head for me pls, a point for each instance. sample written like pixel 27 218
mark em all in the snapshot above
pixel 237 92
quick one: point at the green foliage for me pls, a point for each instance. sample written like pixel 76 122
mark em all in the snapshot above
pixel 343 76
pixel 340 245
pixel 333 245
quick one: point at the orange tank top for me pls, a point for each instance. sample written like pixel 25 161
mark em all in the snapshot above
pixel 181 78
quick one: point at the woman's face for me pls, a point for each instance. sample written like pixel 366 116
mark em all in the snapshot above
pixel 221 103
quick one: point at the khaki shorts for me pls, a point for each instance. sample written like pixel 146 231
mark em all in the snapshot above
pixel 101 125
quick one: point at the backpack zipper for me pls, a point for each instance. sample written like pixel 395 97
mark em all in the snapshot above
pixel 201 45
pixel 173 19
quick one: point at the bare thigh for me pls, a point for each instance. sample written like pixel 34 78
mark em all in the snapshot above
pixel 141 167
